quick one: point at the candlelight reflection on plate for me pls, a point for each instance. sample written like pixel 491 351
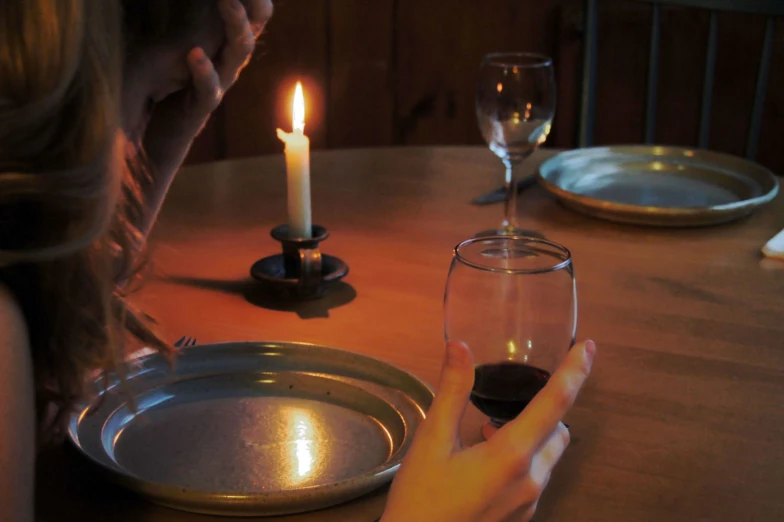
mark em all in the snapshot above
pixel 303 442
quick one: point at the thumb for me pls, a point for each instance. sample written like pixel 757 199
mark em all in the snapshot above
pixel 457 379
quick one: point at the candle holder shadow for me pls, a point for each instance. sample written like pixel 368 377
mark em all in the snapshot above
pixel 301 272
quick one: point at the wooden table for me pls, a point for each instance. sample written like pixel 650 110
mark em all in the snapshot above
pixel 682 420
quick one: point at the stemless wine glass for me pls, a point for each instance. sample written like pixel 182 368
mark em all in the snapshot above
pixel 515 106
pixel 513 301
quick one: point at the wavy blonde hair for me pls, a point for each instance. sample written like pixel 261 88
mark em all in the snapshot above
pixel 68 204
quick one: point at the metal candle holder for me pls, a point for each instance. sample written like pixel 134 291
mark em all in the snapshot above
pixel 301 272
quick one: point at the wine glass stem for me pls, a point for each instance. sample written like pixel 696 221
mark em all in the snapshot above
pixel 510 205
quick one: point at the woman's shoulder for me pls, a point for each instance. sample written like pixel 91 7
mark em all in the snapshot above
pixel 17 409
pixel 16 372
pixel 15 357
pixel 13 328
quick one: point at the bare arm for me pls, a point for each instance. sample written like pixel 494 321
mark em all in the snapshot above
pixel 17 414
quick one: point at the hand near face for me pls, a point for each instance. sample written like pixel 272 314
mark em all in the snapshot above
pixel 170 116
pixel 179 117
pixel 498 480
pixel 211 80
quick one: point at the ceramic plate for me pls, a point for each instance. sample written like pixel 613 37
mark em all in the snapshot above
pixel 256 428
pixel 660 186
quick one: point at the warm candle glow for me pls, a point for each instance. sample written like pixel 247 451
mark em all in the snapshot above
pixel 298 121
pixel 298 169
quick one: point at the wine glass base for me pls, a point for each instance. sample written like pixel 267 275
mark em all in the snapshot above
pixel 510 232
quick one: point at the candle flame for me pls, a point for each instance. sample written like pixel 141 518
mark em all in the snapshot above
pixel 298 121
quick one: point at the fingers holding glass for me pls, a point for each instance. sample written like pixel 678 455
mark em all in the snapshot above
pixel 549 406
pixel 521 484
pixel 443 419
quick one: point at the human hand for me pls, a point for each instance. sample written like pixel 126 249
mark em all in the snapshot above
pixel 497 480
pixel 177 119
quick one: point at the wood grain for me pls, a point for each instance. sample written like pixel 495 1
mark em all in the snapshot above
pixel 361 73
pixel 404 72
pixel 682 419
pixel 293 48
pixel 437 75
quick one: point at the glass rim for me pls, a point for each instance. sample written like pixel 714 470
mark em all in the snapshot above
pixel 537 60
pixel 564 263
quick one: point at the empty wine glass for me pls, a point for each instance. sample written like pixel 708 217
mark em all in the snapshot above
pixel 515 106
pixel 513 301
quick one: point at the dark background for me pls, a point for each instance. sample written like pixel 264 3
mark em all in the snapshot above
pixel 402 72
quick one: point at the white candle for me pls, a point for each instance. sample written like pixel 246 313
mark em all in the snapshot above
pixel 298 170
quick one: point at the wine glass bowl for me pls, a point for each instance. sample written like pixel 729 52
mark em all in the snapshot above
pixel 515 107
pixel 512 300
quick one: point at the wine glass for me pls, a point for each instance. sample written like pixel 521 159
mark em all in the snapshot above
pixel 513 301
pixel 515 106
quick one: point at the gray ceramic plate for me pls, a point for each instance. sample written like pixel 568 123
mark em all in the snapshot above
pixel 250 429
pixel 661 186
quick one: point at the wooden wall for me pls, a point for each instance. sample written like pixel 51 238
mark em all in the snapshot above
pixel 402 72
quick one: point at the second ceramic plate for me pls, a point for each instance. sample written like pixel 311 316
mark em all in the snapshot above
pixel 660 186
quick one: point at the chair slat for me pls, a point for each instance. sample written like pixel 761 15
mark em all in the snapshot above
pixel 771 8
pixel 588 101
pixel 752 145
pixel 653 76
pixel 710 75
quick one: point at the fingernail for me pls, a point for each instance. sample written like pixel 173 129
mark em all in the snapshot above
pixel 590 348
pixel 201 56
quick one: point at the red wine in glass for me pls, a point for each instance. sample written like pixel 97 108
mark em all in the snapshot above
pixel 502 390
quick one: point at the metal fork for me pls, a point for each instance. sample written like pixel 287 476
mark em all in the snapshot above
pixel 185 342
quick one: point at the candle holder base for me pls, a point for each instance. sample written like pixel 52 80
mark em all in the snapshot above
pixel 301 272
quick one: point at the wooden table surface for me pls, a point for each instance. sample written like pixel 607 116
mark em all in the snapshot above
pixel 682 419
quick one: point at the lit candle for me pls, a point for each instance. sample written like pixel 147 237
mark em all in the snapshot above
pixel 298 170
